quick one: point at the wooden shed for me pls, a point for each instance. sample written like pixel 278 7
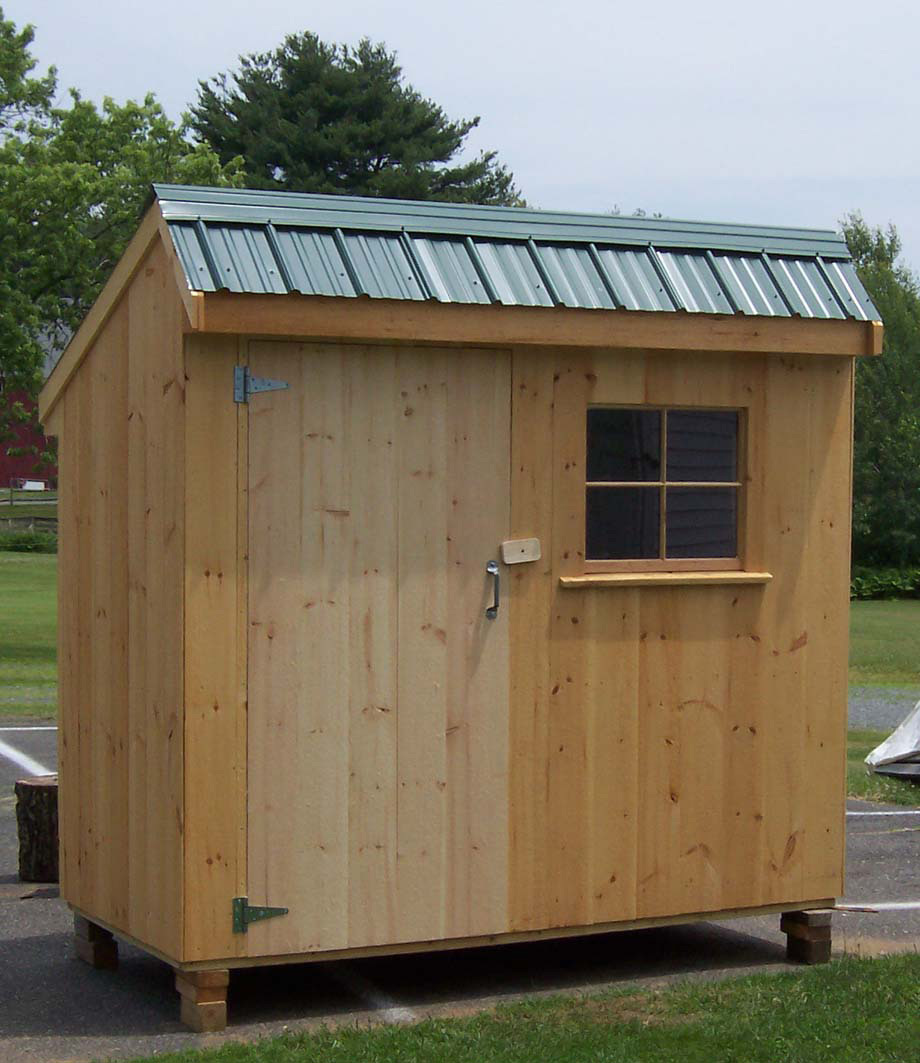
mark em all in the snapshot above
pixel 437 575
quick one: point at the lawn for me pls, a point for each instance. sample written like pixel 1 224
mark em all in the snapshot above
pixel 26 509
pixel 850 1011
pixel 28 503
pixel 28 612
pixel 885 643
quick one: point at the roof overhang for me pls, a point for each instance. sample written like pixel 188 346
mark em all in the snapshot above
pixel 341 268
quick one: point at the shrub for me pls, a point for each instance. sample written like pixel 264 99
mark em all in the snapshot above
pixel 885 583
pixel 29 542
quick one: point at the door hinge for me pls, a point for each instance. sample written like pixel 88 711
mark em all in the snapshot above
pixel 245 385
pixel 245 913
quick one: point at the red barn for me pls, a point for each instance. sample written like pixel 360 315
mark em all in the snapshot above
pixel 25 440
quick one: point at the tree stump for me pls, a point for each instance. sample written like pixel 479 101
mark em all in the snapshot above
pixel 37 820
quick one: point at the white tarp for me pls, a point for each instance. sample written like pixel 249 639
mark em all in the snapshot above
pixel 901 745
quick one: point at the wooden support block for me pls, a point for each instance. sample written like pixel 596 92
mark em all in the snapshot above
pixel 808 936
pixel 203 997
pixel 94 945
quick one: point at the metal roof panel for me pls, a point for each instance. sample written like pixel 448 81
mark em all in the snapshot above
pixel 251 206
pixel 314 263
pixel 271 243
pixel 451 269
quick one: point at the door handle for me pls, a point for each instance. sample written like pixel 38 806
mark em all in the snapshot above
pixel 492 570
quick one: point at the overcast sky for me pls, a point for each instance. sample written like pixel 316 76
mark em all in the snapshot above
pixel 792 112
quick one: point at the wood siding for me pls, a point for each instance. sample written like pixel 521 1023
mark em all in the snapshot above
pixel 120 628
pixel 680 749
pixel 215 648
pixel 378 730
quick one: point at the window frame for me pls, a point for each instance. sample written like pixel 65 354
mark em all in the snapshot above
pixel 661 563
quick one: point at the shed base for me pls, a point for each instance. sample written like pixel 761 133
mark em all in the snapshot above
pixel 94 944
pixel 808 936
pixel 204 999
pixel 203 984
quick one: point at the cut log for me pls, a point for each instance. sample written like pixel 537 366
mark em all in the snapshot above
pixel 37 822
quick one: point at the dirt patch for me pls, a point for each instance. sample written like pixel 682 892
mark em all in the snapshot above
pixel 867 946
pixel 647 1009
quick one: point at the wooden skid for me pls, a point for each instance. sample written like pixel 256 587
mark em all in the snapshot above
pixel 94 945
pixel 203 996
pixel 808 936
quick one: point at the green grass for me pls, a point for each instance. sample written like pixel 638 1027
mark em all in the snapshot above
pixel 28 612
pixel 24 509
pixel 851 1011
pixel 885 643
pixel 868 786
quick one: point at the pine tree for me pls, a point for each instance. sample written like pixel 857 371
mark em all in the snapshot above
pixel 317 117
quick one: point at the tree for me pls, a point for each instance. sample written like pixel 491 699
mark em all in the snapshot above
pixel 317 117
pixel 73 182
pixel 22 98
pixel 886 467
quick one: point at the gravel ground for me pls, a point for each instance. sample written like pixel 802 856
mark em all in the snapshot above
pixel 880 708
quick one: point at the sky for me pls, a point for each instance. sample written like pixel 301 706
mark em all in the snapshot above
pixel 793 112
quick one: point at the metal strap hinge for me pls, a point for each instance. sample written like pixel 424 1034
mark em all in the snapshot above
pixel 245 913
pixel 245 385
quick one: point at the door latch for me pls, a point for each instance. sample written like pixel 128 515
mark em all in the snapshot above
pixel 492 570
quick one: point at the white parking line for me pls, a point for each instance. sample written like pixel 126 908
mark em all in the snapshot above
pixel 906 812
pixel 390 1009
pixel 22 760
pixel 28 728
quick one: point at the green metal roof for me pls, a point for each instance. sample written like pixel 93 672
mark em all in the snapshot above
pixel 280 242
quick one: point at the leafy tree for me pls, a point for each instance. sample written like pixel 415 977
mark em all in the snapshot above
pixel 73 182
pixel 317 117
pixel 886 488
pixel 22 98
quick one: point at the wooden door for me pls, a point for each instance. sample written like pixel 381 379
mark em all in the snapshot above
pixel 379 488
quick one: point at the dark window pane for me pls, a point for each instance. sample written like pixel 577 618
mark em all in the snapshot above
pixel 622 522
pixel 702 445
pixel 624 444
pixel 702 522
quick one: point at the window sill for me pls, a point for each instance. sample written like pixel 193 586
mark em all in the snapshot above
pixel 664 579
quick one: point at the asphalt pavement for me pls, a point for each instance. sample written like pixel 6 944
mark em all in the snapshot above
pixel 54 1009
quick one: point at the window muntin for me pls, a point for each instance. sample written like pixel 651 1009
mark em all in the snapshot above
pixel 662 485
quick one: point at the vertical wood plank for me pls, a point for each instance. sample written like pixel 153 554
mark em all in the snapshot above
pixel 140 901
pixel 214 829
pixel 830 427
pixel 86 706
pixel 613 804
pixel 786 509
pixel 422 651
pixel 276 848
pixel 373 703
pixel 531 590
pixel 478 507
pixel 570 734
pixel 300 530
pixel 70 694
pixel 105 379
pixel 155 579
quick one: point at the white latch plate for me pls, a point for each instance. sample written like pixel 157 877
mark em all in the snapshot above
pixel 516 551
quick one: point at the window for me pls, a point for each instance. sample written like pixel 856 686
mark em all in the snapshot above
pixel 663 487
